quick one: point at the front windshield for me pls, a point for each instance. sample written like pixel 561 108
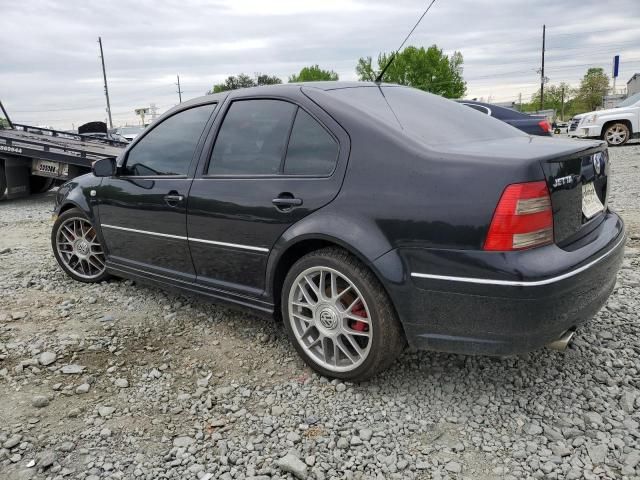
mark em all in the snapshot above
pixel 633 99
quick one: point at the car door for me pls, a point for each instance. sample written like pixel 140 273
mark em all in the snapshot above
pixel 142 209
pixel 273 162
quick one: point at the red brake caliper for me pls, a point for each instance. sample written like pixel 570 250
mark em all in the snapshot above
pixel 359 311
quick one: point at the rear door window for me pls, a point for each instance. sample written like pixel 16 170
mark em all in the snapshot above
pixel 311 150
pixel 253 138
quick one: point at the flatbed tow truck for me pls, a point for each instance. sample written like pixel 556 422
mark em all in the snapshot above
pixel 33 159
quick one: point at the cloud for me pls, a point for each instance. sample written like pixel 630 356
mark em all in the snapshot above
pixel 50 69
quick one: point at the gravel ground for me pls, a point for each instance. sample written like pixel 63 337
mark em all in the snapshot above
pixel 123 381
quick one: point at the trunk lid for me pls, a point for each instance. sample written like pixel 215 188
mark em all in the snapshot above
pixel 579 188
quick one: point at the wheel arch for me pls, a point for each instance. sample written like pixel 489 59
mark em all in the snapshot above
pixel 68 205
pixel 280 263
pixel 625 121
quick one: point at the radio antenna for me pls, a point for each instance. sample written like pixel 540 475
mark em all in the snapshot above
pixel 378 79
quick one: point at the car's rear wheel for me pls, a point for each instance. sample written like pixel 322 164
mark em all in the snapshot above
pixel 77 248
pixel 339 317
pixel 616 134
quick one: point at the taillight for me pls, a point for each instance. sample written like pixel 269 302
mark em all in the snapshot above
pixel 545 126
pixel 523 218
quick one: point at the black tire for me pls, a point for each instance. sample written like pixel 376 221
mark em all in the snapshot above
pixel 387 340
pixel 616 134
pixel 39 184
pixel 73 213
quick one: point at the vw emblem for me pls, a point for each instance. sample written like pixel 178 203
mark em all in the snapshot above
pixel 83 248
pixel 597 162
pixel 328 319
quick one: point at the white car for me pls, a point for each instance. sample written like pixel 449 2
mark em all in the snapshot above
pixel 130 133
pixel 615 125
pixel 573 125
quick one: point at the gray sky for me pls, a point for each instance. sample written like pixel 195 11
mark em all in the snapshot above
pixel 50 70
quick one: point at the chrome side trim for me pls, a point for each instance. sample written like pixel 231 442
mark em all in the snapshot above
pixel 233 245
pixel 520 283
pixel 179 237
pixel 145 232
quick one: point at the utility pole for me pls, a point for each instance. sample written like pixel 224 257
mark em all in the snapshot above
pixel 106 89
pixel 179 91
pixel 520 102
pixel 544 29
pixel 562 104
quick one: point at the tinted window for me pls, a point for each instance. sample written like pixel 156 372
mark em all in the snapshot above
pixel 253 138
pixel 433 119
pixel 311 150
pixel 168 149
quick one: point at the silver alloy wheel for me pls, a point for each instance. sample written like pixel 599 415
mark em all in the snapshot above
pixel 79 249
pixel 330 319
pixel 616 135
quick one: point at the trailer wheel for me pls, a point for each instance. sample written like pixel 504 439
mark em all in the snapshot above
pixel 40 184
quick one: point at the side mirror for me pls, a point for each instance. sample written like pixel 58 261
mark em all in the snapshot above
pixel 105 167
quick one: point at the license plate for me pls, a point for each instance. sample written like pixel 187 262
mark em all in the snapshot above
pixel 50 169
pixel 591 204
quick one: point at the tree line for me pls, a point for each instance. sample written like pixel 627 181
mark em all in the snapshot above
pixel 431 70
pixel 427 69
pixel 562 97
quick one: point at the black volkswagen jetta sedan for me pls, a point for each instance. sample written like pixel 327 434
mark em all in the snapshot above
pixel 360 220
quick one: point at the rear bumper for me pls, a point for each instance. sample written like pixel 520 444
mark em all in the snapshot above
pixel 502 303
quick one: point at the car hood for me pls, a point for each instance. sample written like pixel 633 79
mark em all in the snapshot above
pixel 607 111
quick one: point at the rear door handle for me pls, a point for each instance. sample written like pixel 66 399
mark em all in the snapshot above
pixel 286 201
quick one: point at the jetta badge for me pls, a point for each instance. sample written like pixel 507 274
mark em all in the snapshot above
pixel 562 181
pixel 598 160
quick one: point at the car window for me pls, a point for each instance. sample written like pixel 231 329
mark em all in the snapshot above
pixel 424 116
pixel 311 150
pixel 168 149
pixel 253 138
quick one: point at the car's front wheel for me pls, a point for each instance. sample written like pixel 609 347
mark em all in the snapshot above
pixel 339 317
pixel 77 247
pixel 616 134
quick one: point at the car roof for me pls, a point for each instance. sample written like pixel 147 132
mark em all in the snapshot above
pixel 325 86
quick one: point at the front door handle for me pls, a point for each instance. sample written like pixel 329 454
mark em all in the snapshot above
pixel 286 201
pixel 173 198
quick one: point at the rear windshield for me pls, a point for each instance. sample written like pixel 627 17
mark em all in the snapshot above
pixel 433 119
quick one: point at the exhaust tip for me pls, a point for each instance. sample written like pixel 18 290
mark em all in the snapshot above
pixel 562 343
